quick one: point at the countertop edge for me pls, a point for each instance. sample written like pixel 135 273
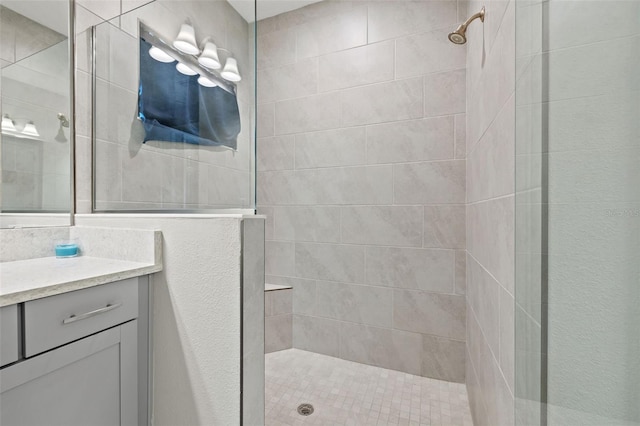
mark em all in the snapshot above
pixel 55 289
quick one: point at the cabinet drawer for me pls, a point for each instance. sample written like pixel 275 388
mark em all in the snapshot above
pixel 9 334
pixel 56 320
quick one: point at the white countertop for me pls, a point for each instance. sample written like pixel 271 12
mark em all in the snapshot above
pixel 25 280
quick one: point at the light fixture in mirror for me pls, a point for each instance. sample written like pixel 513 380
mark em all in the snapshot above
pixel 186 40
pixel 30 130
pixel 160 55
pixel 185 69
pixel 230 71
pixel 204 81
pixel 7 124
pixel 209 57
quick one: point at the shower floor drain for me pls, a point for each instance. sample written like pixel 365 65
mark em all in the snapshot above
pixel 305 409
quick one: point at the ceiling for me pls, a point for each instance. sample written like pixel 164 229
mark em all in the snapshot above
pixel 267 8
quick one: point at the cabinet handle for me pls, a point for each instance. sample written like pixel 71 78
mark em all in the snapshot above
pixel 74 318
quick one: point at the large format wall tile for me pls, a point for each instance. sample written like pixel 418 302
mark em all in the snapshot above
pixel 276 49
pixel 314 334
pixel 483 298
pixel 444 226
pixel 307 223
pixel 491 165
pixel 391 225
pixel 308 114
pixel 278 333
pixel 394 349
pixel 443 359
pixel 345 185
pixel 415 140
pixel 330 262
pixel 355 67
pixel 490 237
pixel 354 303
pixel 429 313
pixel 332 34
pixel 444 93
pixel 427 53
pixel 378 103
pixel 388 20
pixel 438 182
pixel 288 81
pixel 341 147
pixel 276 153
pixel 279 258
pixel 410 268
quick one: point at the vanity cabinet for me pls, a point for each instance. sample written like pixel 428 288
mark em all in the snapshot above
pixel 83 360
pixel 9 334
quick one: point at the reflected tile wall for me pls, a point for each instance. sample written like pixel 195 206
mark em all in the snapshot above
pixel 362 174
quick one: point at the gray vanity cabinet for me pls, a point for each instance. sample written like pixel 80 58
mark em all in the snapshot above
pixel 9 334
pixel 83 360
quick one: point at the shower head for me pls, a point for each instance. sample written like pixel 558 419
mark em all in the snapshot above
pixel 459 36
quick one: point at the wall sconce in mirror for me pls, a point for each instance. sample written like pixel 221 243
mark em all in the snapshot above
pixel 160 55
pixel 230 71
pixel 7 124
pixel 184 50
pixel 186 40
pixel 12 127
pixel 209 57
pixel 185 69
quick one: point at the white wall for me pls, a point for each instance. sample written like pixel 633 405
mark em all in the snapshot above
pixel 196 316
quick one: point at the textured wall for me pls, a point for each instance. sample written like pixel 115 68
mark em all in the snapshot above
pixel 361 173
pixel 196 317
pixel 490 213
pixel 132 175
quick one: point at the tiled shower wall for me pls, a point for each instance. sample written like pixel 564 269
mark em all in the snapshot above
pixel 155 175
pixel 490 212
pixel 361 173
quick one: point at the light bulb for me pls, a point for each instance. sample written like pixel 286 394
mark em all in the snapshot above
pixel 206 82
pixel 184 69
pixel 230 71
pixel 160 55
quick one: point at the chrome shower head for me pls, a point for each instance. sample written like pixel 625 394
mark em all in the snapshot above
pixel 459 36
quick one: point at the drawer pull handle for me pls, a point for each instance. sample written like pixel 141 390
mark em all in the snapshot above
pixel 74 318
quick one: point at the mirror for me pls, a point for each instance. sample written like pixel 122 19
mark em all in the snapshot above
pixel 37 129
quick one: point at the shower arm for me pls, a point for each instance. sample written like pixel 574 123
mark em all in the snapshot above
pixel 474 17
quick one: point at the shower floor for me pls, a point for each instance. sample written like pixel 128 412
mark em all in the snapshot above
pixel 347 393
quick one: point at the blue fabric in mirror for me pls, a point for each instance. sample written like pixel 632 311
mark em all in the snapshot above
pixel 175 108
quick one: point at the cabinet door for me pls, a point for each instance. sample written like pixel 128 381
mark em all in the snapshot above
pixel 92 381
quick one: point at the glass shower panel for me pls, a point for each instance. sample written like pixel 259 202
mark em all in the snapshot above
pixel 578 213
pixel 145 157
